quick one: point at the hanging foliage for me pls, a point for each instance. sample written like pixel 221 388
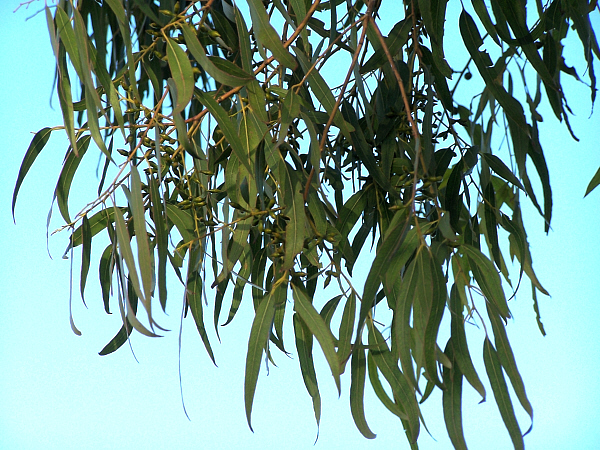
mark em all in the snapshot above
pixel 261 153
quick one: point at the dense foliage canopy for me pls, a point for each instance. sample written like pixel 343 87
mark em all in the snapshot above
pixel 262 162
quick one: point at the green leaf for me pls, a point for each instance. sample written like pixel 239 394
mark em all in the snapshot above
pixel 193 294
pixel 295 229
pixel 595 181
pixel 395 41
pixel 35 147
pixel 86 252
pixel 259 338
pixel 500 389
pixel 118 9
pixel 181 71
pixel 183 220
pixel 66 176
pixel 323 93
pixel 267 36
pixel 438 306
pixel 501 169
pixel 507 359
pixel 145 261
pixel 222 70
pixel 453 199
pixel 357 391
pixel 452 401
pixel 256 96
pixel 491 222
pixel 346 328
pixel 318 327
pixel 304 345
pixel 228 129
pixel 388 366
pixel 127 255
pixel 487 278
pixel 434 16
pixel 460 349
pixel 122 335
pixel 105 269
pixel 387 250
pixel 380 391
pixel 161 239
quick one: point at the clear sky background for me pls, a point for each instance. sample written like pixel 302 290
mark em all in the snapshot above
pixel 57 393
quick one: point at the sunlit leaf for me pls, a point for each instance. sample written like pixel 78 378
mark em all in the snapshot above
pixel 318 327
pixel 259 336
pixel 304 341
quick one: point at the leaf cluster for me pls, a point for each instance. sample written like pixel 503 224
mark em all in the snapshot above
pixel 243 168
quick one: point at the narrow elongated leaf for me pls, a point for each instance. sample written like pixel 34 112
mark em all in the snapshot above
pixel 118 9
pixel 395 41
pixel 267 36
pixel 123 334
pixel 259 337
pixel 256 96
pixel 105 269
pixel 86 252
pixel 35 147
pixel 66 176
pixel 491 222
pixel 183 221
pixel 194 299
pixel 223 71
pixel 488 279
pixel 500 390
pixel 145 261
pixel 460 349
pixel 399 384
pixel 357 391
pixel 295 230
pixel 323 94
pixel 181 71
pixel 161 240
pixel 452 401
pixel 389 248
pixel 227 128
pixel 318 327
pixel 507 359
pixel 346 328
pixel 380 391
pixel 501 169
pixel 304 345
pixel 438 306
pixel 594 182
pixel 127 254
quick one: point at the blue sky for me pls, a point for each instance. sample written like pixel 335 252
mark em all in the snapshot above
pixel 56 392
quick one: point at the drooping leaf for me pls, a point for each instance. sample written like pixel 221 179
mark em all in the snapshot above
pixel 222 70
pixel 63 186
pixel 357 391
pixel 267 36
pixel 304 345
pixel 452 401
pixel 181 71
pixel 259 337
pixel 317 326
pixel 37 145
pixel 500 390
pixel 488 279
pixel 86 252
